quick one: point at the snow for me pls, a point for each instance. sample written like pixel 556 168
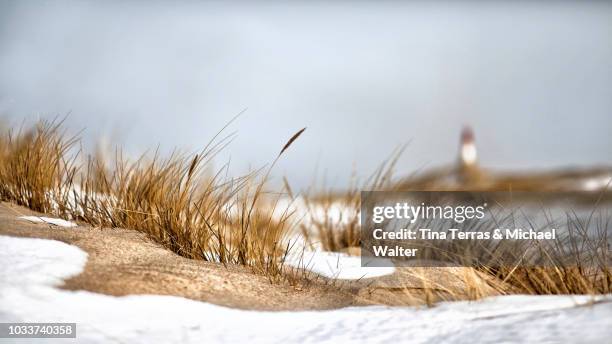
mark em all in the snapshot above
pixel 328 264
pixel 337 265
pixel 597 183
pixel 32 268
pixel 49 220
pixel 23 260
pixel 336 212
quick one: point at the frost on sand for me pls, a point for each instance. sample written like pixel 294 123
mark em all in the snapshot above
pixel 336 265
pixel 33 268
pixel 48 220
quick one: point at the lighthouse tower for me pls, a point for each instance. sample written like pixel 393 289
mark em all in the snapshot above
pixel 467 148
pixel 468 172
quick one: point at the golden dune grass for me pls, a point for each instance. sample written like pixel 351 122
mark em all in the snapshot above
pixel 212 217
pixel 171 199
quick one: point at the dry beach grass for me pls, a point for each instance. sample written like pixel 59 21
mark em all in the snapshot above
pixel 172 200
pixel 178 204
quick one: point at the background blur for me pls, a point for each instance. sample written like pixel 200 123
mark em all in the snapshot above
pixel 533 79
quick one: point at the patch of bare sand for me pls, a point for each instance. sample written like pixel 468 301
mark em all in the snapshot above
pixel 124 262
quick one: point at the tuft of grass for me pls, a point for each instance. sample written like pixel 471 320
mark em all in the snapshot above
pixel 332 218
pixel 36 168
pixel 578 264
pixel 174 200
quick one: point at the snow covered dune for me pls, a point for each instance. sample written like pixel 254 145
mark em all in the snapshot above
pixel 33 268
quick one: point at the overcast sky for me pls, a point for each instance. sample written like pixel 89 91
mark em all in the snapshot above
pixel 533 79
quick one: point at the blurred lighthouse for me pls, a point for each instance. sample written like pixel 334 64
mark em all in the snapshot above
pixel 467 148
pixel 467 175
pixel 468 172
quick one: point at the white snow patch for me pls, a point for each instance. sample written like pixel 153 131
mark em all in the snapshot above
pixel 597 183
pixel 337 212
pixel 337 265
pixel 32 267
pixel 49 220
pixel 23 260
